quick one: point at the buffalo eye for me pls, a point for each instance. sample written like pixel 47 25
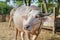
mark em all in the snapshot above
pixel 36 16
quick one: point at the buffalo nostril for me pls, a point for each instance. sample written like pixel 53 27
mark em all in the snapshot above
pixel 27 26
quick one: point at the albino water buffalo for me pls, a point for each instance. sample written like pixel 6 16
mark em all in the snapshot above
pixel 27 21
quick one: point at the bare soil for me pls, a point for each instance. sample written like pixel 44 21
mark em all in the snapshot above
pixel 8 33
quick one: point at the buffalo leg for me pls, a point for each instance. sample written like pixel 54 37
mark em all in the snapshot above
pixel 16 34
pixel 22 35
pixel 9 25
pixel 27 35
pixel 34 37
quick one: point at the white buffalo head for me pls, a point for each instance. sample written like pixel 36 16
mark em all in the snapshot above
pixel 32 19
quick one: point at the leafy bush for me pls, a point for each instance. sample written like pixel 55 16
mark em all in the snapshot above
pixel 19 3
pixel 4 8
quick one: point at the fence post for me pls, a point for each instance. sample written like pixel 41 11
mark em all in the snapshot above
pixel 54 16
pixel 55 12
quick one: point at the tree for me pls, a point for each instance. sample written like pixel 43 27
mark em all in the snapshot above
pixel 4 9
pixel 27 2
pixel 58 6
pixel 45 5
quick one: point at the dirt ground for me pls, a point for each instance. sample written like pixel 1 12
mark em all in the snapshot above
pixel 7 33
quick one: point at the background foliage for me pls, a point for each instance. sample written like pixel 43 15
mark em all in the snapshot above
pixel 5 8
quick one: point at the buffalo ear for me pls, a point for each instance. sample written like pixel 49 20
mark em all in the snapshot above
pixel 25 17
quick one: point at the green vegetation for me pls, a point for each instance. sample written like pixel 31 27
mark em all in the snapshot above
pixel 19 3
pixel 4 8
pixel 48 5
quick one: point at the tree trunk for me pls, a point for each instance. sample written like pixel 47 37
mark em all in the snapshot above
pixel 58 6
pixel 29 3
pixel 45 5
pixel 59 3
pixel 41 8
pixel 25 2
